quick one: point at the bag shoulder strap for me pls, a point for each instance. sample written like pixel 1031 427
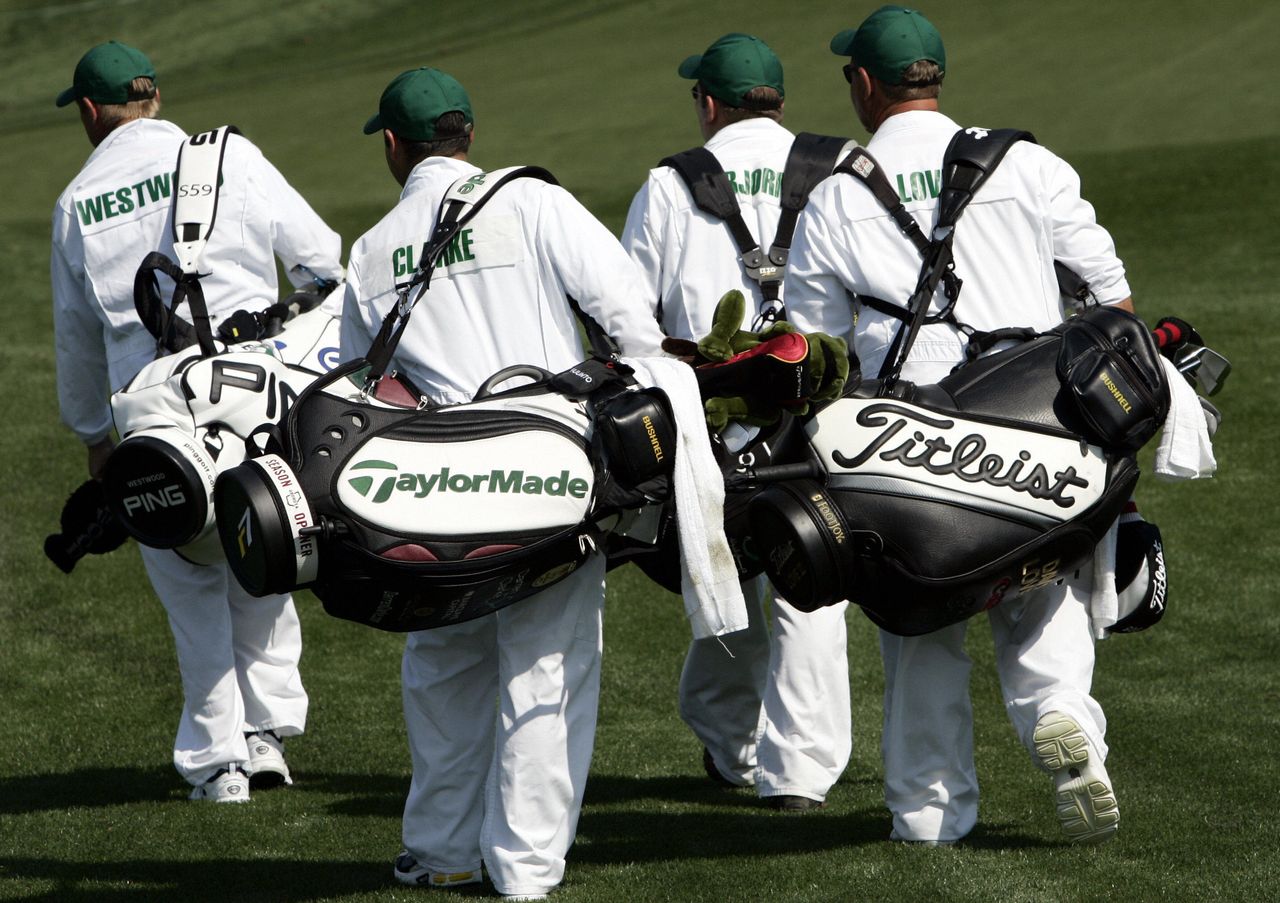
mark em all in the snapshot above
pixel 713 194
pixel 195 210
pixel 809 161
pixel 971 157
pixel 465 198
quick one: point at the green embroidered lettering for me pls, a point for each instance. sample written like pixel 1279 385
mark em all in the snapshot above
pixel 109 205
pixel 934 178
pixel 902 190
pixel 90 210
pixel 125 198
pixel 158 186
pixel 918 189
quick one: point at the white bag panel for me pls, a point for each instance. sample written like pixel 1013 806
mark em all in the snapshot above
pixel 924 451
pixel 524 481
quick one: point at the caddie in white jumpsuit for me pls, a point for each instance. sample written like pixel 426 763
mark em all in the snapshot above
pixel 1027 215
pixel 505 790
pixel 238 656
pixel 770 713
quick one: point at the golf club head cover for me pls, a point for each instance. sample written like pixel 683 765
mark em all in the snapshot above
pixel 1173 333
pixel 1142 582
pixel 88 527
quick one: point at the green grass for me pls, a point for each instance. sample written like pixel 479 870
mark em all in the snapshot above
pixel 1169 111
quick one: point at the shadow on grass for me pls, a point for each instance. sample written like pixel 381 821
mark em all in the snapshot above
pixel 214 880
pixel 359 794
pixel 707 821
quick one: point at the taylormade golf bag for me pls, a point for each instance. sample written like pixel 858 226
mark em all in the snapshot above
pixel 410 519
pixel 942 500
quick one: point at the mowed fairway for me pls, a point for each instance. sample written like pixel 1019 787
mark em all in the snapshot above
pixel 1170 112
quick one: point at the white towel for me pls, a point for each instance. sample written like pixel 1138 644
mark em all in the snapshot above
pixel 1185 451
pixel 1103 599
pixel 712 594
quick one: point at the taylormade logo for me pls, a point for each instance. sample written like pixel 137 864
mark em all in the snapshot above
pixel 421 485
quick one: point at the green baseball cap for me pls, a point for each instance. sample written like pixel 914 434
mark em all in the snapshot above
pixel 104 73
pixel 889 41
pixel 734 65
pixel 413 102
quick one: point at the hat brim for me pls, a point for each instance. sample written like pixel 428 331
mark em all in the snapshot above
pixel 66 97
pixel 374 124
pixel 842 43
pixel 689 68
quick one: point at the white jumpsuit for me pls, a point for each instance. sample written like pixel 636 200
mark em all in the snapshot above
pixel 507 791
pixel 771 712
pixel 238 656
pixel 1027 215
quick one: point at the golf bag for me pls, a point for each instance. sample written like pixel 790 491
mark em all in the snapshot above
pixel 193 412
pixel 428 516
pixel 411 519
pixel 940 501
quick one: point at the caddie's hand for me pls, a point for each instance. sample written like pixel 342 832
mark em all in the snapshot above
pixel 241 326
pixel 98 454
pixel 1173 334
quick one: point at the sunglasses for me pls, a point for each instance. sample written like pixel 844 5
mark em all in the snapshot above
pixel 848 69
pixel 694 92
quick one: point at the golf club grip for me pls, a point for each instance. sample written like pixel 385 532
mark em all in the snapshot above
pixel 774 473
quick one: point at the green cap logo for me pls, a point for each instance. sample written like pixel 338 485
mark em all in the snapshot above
pixel 889 41
pixel 104 73
pixel 732 66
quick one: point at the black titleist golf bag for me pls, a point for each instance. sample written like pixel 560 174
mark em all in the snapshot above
pixel 942 500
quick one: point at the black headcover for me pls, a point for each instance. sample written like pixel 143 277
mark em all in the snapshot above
pixel 88 528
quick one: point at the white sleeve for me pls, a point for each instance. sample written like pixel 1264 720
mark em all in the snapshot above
pixel 640 239
pixel 1078 241
pixel 298 234
pixel 80 351
pixel 355 332
pixel 596 272
pixel 815 287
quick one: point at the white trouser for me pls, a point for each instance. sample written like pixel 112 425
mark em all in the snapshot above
pixel 238 657
pixel 773 710
pixel 505 791
pixel 1044 657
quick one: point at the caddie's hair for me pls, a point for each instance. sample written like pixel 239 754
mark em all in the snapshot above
pixel 143 103
pixel 922 80
pixel 453 136
pixel 758 103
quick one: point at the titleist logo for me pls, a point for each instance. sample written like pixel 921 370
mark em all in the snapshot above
pixel 966 459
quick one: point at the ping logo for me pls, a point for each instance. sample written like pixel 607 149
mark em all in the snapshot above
pixel 420 485
pixel 170 496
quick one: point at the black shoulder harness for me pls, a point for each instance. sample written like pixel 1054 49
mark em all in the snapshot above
pixel 971 157
pixel 811 159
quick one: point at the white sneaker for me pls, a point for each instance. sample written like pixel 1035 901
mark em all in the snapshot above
pixel 409 872
pixel 266 766
pixel 229 785
pixel 1087 805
